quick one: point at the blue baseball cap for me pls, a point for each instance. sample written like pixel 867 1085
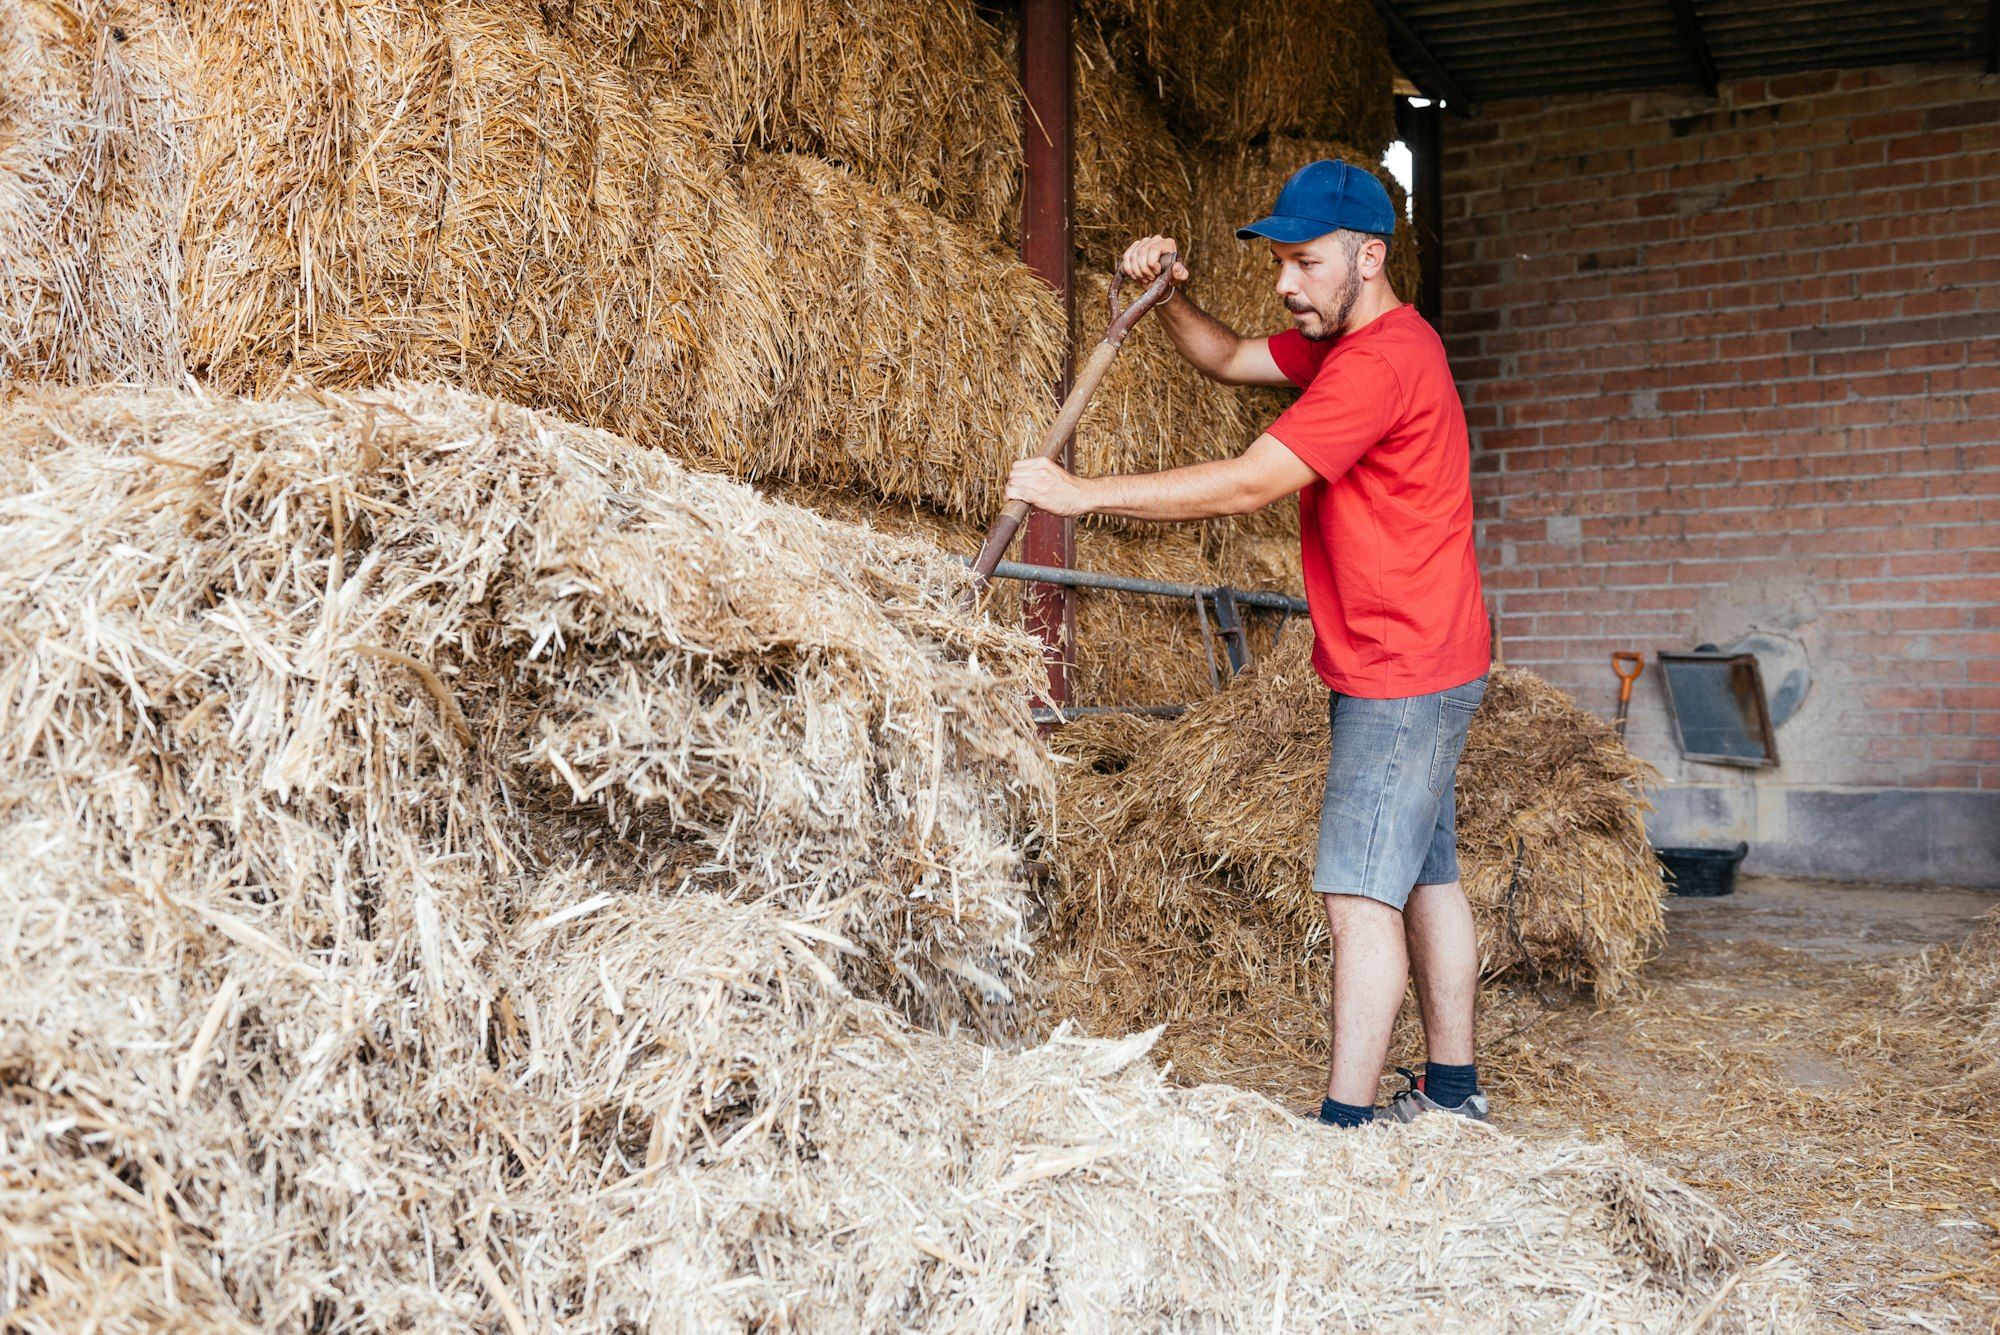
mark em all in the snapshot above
pixel 1323 197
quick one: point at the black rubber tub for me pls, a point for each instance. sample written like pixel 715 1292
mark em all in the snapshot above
pixel 1702 872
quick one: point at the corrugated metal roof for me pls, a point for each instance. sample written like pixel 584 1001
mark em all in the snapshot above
pixel 1510 48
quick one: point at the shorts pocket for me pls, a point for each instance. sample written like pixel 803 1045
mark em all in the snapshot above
pixel 1466 697
pixel 1454 717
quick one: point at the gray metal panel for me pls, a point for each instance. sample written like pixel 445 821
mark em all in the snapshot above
pixel 1504 48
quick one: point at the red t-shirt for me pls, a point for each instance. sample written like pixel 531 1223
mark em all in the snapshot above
pixel 1386 530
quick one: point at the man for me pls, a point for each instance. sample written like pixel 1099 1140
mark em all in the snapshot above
pixel 1376 447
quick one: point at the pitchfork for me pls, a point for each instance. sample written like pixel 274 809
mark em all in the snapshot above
pixel 1001 536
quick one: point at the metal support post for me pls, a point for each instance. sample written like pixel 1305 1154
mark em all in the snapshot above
pixel 1047 248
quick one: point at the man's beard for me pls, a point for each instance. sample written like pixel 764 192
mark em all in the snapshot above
pixel 1350 293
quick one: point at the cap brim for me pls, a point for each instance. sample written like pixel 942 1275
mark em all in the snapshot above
pixel 1278 227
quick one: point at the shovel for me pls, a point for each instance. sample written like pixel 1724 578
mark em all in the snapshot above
pixel 1628 666
pixel 1001 536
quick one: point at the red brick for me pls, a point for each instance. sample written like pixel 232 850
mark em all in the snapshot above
pixel 1759 343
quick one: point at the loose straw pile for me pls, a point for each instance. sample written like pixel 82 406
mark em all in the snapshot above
pixel 414 615
pixel 1185 852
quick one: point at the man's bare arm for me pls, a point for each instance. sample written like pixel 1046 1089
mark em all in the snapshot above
pixel 1209 345
pixel 1253 479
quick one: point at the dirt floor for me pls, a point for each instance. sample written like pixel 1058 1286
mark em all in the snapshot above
pixel 1764 1059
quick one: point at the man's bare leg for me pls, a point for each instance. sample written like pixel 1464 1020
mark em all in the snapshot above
pixel 1443 949
pixel 1371 967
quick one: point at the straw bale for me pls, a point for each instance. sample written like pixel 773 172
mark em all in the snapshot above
pixel 446 190
pixel 1233 72
pixel 1153 410
pixel 92 186
pixel 1183 895
pixel 915 96
pixel 917 359
pixel 1132 176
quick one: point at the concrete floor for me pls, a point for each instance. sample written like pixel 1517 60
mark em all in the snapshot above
pixel 1831 920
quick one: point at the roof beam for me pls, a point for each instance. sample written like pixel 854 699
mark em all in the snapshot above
pixel 1430 72
pixel 1690 25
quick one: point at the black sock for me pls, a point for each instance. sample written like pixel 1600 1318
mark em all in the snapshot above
pixel 1344 1114
pixel 1449 1086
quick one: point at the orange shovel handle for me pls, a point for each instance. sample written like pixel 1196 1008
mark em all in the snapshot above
pixel 1628 666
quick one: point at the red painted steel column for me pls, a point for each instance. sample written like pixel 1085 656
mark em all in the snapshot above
pixel 1047 248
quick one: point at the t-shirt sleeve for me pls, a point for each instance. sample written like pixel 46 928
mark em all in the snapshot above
pixel 1348 407
pixel 1297 356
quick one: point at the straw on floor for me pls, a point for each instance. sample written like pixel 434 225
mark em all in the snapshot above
pixel 719 1135
pixel 1961 984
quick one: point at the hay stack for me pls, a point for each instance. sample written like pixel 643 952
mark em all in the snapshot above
pixel 448 846
pixel 418 580
pixel 1236 72
pixel 917 360
pixel 448 191
pixel 92 185
pixel 1186 859
pixel 915 96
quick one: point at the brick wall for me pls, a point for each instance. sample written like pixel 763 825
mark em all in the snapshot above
pixel 1733 368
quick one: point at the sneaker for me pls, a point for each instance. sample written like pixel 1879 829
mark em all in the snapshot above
pixel 1410 1104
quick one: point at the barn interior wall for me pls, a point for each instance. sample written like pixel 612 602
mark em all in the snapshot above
pixel 1732 367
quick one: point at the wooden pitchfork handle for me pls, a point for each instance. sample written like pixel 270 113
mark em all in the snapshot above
pixel 1001 535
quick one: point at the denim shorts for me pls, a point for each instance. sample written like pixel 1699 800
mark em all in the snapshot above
pixel 1389 819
